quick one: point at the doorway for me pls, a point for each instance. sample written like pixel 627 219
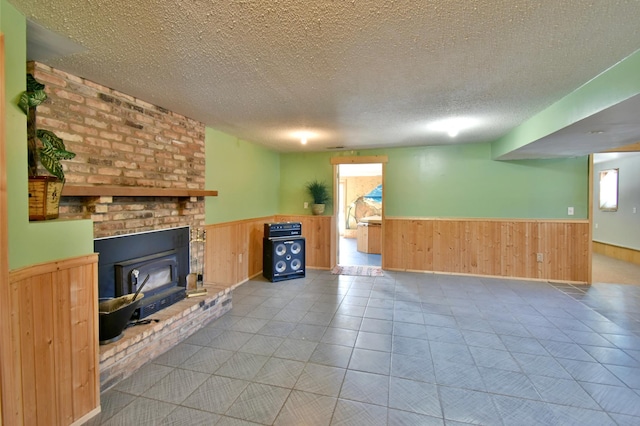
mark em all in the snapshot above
pixel 359 214
pixel 614 213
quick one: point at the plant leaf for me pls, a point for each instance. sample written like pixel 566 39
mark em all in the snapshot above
pixel 23 103
pixel 52 152
pixel 33 84
pixel 50 162
pixel 49 138
pixel 36 97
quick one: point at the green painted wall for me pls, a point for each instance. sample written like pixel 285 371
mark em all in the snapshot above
pixel 296 169
pixel 246 176
pixel 456 181
pixel 618 83
pixel 37 242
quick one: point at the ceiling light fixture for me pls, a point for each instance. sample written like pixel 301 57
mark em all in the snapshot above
pixel 303 136
pixel 453 126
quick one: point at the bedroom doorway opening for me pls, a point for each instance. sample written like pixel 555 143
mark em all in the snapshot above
pixel 359 214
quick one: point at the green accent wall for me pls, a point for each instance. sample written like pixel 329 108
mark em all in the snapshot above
pixel 463 181
pixel 456 181
pixel 29 242
pixel 296 169
pixel 618 83
pixel 246 176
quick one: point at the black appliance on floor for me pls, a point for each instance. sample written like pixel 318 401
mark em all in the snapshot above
pixel 283 254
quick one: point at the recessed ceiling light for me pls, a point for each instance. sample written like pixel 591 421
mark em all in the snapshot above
pixel 453 126
pixel 303 136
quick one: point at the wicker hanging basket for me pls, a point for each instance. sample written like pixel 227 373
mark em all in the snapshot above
pixel 44 197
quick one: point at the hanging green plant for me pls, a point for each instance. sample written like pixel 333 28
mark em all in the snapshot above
pixel 52 149
pixel 33 96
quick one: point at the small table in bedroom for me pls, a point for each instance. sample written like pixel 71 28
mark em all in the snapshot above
pixel 369 235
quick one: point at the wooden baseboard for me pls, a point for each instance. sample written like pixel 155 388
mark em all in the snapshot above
pixel 82 420
pixel 617 252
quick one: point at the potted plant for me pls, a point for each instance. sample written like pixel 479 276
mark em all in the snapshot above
pixel 46 148
pixel 319 192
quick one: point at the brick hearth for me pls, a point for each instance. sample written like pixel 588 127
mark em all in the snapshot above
pixel 142 343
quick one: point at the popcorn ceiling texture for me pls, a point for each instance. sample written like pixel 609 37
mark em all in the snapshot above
pixel 362 73
pixel 122 141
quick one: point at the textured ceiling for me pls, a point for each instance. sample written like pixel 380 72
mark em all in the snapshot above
pixel 359 74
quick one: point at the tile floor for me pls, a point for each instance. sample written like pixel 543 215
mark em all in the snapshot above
pixel 403 349
pixel 349 254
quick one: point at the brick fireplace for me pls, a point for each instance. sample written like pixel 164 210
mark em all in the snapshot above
pixel 124 142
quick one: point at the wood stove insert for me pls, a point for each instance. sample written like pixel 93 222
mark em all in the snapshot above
pixel 125 262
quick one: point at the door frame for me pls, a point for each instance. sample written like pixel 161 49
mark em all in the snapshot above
pixel 337 161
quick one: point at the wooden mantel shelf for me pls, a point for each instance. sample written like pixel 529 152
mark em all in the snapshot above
pixel 131 191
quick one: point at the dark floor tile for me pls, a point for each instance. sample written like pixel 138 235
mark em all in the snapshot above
pixel 141 411
pixel 176 386
pixel 567 350
pixel 321 379
pixel 525 345
pixel 332 355
pixel 308 332
pixel 613 356
pixel 468 406
pixel 409 346
pixel 566 415
pixel 277 328
pixel 373 341
pixel 354 413
pixel 519 411
pixel 416 331
pixel 592 372
pixel 614 399
pixel 373 325
pixel 370 361
pixel 175 356
pixel 458 375
pixel 563 392
pixel 483 339
pixel 540 365
pixel 259 403
pixel 303 408
pixel 366 387
pixel 415 397
pixel 629 375
pixel 492 358
pixel 450 352
pixel 242 366
pixel 183 416
pixel 509 383
pixel 297 350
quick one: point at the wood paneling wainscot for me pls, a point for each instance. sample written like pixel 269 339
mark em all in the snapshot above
pixel 54 331
pixel 233 250
pixel 617 252
pixel 319 232
pixel 492 247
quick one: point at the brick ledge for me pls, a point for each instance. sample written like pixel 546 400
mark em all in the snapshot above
pixel 142 343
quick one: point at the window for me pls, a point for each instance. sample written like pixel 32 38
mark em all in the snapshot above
pixel 609 190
